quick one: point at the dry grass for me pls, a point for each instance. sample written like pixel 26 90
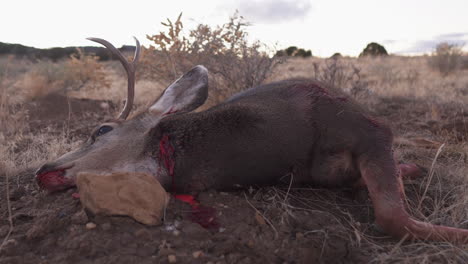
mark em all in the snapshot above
pixel 441 198
pixel 390 76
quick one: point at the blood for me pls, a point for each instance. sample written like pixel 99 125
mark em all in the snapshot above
pixel 166 156
pixel 202 215
pixel 53 180
pixel 171 111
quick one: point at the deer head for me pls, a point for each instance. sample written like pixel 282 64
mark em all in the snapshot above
pixel 119 144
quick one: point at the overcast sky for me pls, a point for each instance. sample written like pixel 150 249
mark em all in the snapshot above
pixel 324 26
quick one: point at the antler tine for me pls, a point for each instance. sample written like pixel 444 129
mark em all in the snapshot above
pixel 129 68
pixel 137 52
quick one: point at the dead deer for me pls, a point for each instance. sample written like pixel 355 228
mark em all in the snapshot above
pixel 254 138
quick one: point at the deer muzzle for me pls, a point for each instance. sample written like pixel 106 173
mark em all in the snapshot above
pixel 53 180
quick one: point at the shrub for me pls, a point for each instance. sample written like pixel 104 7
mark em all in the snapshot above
pixel 303 53
pixel 374 49
pixel 82 69
pixel 336 55
pixel 234 63
pixel 446 58
pixel 291 50
pixel 79 70
pixel 335 72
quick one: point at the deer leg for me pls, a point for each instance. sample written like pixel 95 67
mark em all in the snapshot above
pixel 406 170
pixel 384 183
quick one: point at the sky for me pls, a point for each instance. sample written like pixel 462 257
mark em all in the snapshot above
pixel 404 27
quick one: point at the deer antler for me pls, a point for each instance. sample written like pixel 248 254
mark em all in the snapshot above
pixel 129 68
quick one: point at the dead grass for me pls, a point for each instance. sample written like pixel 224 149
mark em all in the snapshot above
pixel 385 77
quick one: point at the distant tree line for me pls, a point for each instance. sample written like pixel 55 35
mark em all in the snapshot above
pixel 293 51
pixel 55 54
pixel 372 49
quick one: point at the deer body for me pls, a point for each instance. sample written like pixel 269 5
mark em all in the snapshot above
pixel 263 134
pixel 294 128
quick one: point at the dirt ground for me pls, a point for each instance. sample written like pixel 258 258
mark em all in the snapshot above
pixel 261 224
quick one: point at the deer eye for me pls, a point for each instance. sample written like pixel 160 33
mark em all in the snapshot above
pixel 103 130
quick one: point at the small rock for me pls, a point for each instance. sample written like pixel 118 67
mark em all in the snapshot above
pixel 197 254
pixel 90 225
pixel 106 226
pixel 138 195
pixel 104 105
pixel 172 259
pixel 260 219
pixel 79 218
pixel 176 232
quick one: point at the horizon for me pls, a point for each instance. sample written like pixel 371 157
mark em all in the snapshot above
pixel 403 28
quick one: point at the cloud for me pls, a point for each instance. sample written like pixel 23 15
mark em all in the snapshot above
pixel 425 46
pixel 273 11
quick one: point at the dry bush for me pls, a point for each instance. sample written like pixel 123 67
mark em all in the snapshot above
pixel 446 58
pixel 234 63
pixel 338 73
pixel 11 116
pixel 82 69
pixel 74 73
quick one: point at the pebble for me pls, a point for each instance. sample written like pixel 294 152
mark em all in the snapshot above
pixel 104 105
pixel 90 225
pixel 176 232
pixel 197 254
pixel 172 259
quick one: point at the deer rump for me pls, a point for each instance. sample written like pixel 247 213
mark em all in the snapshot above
pixel 291 128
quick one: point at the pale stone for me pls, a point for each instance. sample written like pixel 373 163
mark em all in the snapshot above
pixel 137 195
pixel 197 254
pixel 172 258
pixel 90 225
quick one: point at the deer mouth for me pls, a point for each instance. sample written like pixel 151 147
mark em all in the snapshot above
pixel 54 180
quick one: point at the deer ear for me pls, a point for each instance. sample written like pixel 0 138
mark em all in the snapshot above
pixel 184 95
